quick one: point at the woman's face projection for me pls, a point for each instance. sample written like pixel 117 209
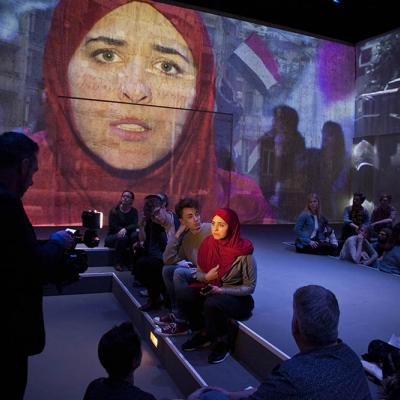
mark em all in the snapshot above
pixel 133 55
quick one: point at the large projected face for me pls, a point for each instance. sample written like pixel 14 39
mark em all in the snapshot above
pixel 131 55
pixel 151 97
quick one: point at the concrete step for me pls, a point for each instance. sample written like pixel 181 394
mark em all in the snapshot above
pixel 253 358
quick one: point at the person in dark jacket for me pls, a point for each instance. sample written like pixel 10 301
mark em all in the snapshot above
pixel 383 216
pixel 157 225
pixel 354 216
pixel 26 264
pixel 122 228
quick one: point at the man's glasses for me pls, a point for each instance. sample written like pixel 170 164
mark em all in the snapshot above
pixel 156 212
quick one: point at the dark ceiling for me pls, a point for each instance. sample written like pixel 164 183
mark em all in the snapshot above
pixel 346 20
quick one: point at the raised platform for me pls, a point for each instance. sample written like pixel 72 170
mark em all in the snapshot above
pixel 362 292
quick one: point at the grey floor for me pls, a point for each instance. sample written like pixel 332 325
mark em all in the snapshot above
pixel 369 299
pixel 74 325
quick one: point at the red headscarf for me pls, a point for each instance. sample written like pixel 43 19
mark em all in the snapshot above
pixel 72 179
pixel 225 251
pixel 188 170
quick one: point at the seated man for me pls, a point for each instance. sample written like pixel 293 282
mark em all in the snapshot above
pixel 391 387
pixel 156 226
pixel 180 259
pixel 354 216
pixel 325 368
pixel 358 249
pixel 390 261
pixel 120 355
pixel 384 215
pixel 162 215
pixel 384 242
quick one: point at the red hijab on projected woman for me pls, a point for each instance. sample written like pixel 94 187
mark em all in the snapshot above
pixel 73 177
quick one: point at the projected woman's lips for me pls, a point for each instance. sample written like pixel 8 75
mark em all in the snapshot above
pixel 129 129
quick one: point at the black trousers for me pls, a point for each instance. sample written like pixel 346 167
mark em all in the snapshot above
pixel 122 246
pixel 15 375
pixel 213 312
pixel 323 249
pixel 148 270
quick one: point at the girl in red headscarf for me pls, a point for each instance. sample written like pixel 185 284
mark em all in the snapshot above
pixel 228 269
pixel 129 103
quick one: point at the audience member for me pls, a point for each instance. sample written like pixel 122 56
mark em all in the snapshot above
pixel 312 231
pixel 164 198
pixel 354 216
pixel 391 387
pixel 384 215
pixel 120 354
pixel 383 242
pixel 358 249
pixel 227 270
pixel 156 226
pixel 180 259
pixel 162 215
pixel 122 228
pixel 325 368
pixel 390 261
pixel 26 264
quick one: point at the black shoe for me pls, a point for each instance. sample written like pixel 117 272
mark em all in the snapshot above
pixel 196 342
pixel 151 305
pixel 219 353
pixel 136 283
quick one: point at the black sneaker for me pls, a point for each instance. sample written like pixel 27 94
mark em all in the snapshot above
pixel 196 342
pixel 219 353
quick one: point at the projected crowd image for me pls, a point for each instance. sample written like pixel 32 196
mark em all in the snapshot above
pixel 150 97
pixel 376 147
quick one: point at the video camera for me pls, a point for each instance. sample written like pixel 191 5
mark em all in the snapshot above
pixel 75 260
pixel 91 220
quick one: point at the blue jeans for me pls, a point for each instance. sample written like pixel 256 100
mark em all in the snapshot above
pixel 176 279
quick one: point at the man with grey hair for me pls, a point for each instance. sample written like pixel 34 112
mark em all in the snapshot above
pixel 325 368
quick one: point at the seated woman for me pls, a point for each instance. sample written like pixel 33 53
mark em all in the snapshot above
pixel 354 216
pixel 122 228
pixel 312 231
pixel 390 261
pixel 228 274
pixel 358 249
pixel 384 215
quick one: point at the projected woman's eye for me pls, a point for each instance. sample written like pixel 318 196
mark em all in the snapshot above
pixel 105 56
pixel 168 67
